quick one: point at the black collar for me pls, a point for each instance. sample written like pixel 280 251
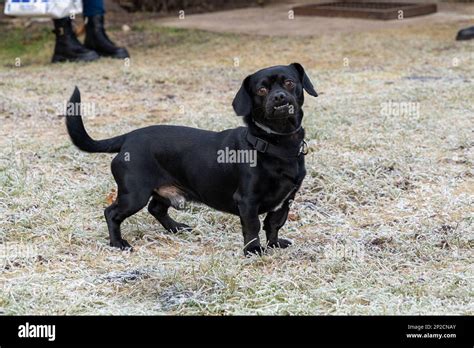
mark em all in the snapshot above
pixel 264 146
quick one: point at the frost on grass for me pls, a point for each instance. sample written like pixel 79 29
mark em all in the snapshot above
pixel 383 223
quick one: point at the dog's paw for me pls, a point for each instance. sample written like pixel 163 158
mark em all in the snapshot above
pixel 281 243
pixel 179 227
pixel 253 250
pixel 122 244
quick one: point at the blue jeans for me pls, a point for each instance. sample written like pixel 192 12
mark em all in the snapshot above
pixel 93 8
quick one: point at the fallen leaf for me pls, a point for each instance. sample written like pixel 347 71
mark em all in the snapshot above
pixel 293 216
pixel 111 197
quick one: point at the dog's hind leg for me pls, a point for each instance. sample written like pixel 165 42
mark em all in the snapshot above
pixel 158 207
pixel 126 205
pixel 135 186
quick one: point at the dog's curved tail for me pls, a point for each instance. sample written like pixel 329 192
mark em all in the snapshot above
pixel 78 133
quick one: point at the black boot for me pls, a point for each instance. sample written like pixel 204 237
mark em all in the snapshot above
pixel 68 47
pixel 465 34
pixel 97 39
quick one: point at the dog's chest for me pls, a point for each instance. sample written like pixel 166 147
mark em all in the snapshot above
pixel 279 205
pixel 280 185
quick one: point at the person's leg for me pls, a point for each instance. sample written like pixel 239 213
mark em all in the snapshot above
pixel 93 8
pixel 68 47
pixel 96 38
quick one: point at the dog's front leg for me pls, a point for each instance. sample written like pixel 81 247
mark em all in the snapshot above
pixel 250 227
pixel 272 224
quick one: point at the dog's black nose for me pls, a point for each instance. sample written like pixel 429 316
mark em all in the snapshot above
pixel 279 97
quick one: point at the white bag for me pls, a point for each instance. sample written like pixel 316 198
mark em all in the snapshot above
pixel 43 8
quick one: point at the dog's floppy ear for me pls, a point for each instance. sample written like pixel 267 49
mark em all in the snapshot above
pixel 242 101
pixel 307 85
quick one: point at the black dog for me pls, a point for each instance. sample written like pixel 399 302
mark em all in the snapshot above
pixel 172 164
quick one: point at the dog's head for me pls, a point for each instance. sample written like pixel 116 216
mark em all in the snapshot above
pixel 274 96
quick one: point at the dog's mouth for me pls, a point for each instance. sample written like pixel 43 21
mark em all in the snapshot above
pixel 281 111
pixel 281 107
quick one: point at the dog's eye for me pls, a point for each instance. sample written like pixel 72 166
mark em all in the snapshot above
pixel 262 91
pixel 289 84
